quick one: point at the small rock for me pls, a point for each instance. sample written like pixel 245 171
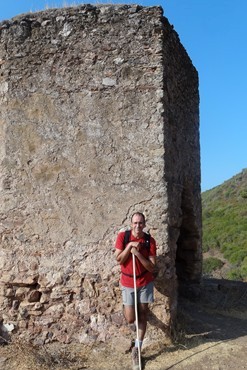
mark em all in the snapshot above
pixel 109 82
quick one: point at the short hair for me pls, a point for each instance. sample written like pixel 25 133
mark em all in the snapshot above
pixel 138 214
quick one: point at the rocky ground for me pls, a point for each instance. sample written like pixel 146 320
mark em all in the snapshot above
pixel 211 334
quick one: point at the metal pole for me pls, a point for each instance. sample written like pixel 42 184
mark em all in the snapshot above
pixel 136 310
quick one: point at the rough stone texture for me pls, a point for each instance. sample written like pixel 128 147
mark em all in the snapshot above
pixel 99 118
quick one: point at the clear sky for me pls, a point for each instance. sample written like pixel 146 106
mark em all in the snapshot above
pixel 214 33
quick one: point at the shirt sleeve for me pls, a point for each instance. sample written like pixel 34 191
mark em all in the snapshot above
pixel 152 247
pixel 120 241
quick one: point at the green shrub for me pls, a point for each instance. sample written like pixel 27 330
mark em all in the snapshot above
pixel 243 194
pixel 244 269
pixel 235 274
pixel 237 256
pixel 211 264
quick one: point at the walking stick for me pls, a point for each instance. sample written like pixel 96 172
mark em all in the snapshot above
pixel 136 311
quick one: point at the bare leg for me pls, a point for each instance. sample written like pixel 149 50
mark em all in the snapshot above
pixel 142 319
pixel 129 313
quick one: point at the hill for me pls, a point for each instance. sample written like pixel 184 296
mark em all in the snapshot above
pixel 224 217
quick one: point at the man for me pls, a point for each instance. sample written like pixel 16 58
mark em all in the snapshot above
pixel 144 249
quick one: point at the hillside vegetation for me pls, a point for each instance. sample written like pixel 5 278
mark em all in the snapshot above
pixel 224 216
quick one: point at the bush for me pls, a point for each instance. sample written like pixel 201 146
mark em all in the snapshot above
pixel 211 264
pixel 244 269
pixel 238 256
pixel 243 194
pixel 235 274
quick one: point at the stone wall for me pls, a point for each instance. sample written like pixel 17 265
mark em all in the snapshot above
pixel 99 118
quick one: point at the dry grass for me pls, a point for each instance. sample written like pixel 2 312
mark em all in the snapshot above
pixel 25 356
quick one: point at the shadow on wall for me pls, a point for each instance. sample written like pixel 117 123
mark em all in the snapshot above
pixel 166 285
pixel 188 255
pixel 187 260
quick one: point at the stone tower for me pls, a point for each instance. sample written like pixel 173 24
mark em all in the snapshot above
pixel 99 118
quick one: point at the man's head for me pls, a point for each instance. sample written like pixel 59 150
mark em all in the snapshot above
pixel 138 223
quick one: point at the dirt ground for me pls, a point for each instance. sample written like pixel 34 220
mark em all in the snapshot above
pixel 208 336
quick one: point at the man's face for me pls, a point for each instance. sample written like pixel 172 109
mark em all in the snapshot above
pixel 137 225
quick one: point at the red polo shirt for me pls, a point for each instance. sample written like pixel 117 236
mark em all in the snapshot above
pixel 127 267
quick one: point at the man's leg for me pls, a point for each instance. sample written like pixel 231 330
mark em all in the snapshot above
pixel 142 319
pixel 146 296
pixel 129 314
pixel 142 325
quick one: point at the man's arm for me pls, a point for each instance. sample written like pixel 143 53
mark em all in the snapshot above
pixel 122 255
pixel 149 263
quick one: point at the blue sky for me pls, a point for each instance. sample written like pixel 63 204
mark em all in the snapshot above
pixel 214 33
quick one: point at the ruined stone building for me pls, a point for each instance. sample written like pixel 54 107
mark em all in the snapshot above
pixel 99 118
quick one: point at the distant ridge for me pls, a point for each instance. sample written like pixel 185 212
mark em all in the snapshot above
pixel 224 216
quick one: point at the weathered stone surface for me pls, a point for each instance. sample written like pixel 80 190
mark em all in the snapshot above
pixel 99 118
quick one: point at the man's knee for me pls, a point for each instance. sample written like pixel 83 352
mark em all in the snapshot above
pixel 129 314
pixel 130 320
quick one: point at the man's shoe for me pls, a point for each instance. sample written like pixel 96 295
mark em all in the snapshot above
pixel 135 358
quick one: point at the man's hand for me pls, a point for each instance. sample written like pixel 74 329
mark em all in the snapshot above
pixel 131 247
pixel 134 251
pixel 135 247
pixel 148 263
